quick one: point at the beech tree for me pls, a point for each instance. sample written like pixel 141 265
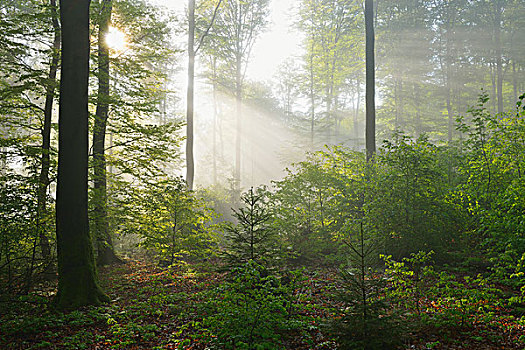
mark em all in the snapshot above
pixel 192 52
pixel 106 254
pixel 236 29
pixel 77 282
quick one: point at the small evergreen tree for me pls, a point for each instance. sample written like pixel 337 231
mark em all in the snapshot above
pixel 253 238
pixel 364 319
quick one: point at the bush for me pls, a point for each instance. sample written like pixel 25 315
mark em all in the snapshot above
pixel 253 311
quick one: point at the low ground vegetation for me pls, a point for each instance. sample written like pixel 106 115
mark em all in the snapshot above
pixel 423 248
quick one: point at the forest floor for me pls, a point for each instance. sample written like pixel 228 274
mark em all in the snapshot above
pixel 154 308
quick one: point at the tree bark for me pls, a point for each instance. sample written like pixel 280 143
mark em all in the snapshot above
pixel 370 81
pixel 77 282
pixel 43 182
pixel 190 164
pixel 106 253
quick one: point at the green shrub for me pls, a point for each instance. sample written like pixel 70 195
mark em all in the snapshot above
pixel 253 311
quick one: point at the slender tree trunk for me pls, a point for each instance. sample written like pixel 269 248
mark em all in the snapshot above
pixel 396 102
pixel 493 81
pixel 238 97
pixel 43 183
pixel 356 115
pixel 106 252
pixel 499 54
pixel 514 81
pixel 77 282
pixel 450 113
pixel 419 126
pixel 312 102
pixel 329 115
pixel 402 117
pixel 448 72
pixel 190 164
pixel 215 117
pixel 370 81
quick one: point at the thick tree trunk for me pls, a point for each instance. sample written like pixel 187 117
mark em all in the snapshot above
pixel 77 282
pixel 190 165
pixel 106 253
pixel 43 183
pixel 370 81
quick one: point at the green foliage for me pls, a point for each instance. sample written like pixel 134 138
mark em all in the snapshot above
pixel 253 311
pixel 409 280
pixel 172 221
pixel 316 200
pixel 441 299
pixel 19 258
pixel 494 191
pixel 336 186
pixel 364 319
pixel 413 212
pixel 253 238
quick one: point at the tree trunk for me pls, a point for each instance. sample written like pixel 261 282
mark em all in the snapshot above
pixel 499 54
pixel 370 81
pixel 419 124
pixel 514 81
pixel 448 73
pixel 238 96
pixel 312 101
pixel 77 282
pixel 356 115
pixel 190 165
pixel 43 182
pixel 449 110
pixel 215 117
pixel 106 253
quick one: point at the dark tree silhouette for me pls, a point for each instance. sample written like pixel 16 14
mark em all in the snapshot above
pixel 77 283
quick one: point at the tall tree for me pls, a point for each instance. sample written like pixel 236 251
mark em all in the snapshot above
pixel 106 254
pixel 43 182
pixel 498 9
pixel 370 81
pixel 333 45
pixel 192 52
pixel 237 28
pixel 190 165
pixel 77 281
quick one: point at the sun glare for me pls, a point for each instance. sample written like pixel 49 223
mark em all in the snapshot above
pixel 116 39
